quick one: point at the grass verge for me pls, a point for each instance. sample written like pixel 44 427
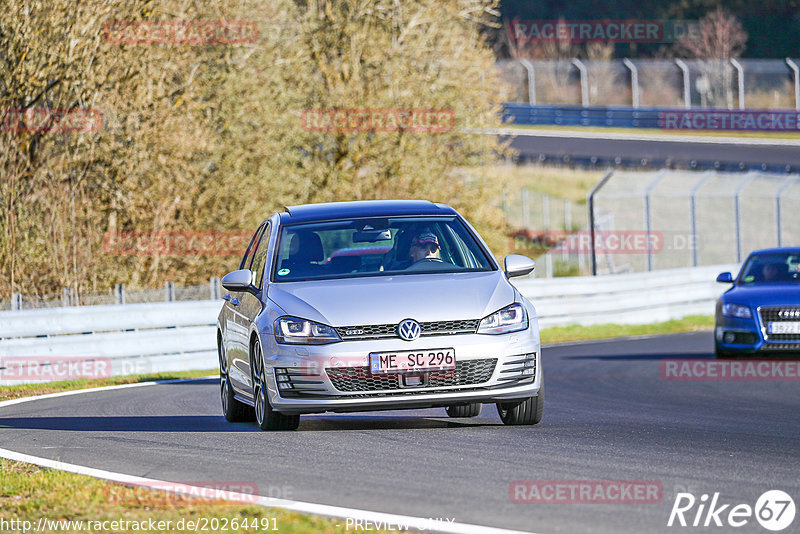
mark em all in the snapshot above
pixel 29 492
pixel 692 323
pixel 27 390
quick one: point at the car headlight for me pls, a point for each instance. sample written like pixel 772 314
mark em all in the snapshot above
pixel 735 310
pixel 510 319
pixel 303 332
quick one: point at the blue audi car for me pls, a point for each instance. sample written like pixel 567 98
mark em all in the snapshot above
pixel 760 314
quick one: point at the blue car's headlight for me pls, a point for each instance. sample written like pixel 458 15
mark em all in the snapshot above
pixel 510 319
pixel 304 332
pixel 736 310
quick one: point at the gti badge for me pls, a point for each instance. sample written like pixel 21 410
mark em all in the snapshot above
pixel 409 329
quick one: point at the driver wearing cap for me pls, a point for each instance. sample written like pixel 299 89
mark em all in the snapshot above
pixel 424 246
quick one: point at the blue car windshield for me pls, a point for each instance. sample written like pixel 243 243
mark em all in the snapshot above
pixel 377 247
pixel 771 268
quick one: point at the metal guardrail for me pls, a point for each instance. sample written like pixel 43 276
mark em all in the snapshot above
pixel 173 336
pixel 630 117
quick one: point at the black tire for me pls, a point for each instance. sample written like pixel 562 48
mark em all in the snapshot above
pixel 466 410
pixel 526 412
pixel 266 417
pixel 233 410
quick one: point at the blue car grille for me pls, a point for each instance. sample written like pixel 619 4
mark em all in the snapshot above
pixel 779 314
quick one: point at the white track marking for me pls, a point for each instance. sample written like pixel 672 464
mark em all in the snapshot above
pixel 270 502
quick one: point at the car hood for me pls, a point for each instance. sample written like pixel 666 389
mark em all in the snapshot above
pixel 782 294
pixel 390 299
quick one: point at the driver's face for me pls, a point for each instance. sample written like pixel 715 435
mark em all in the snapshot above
pixel 420 252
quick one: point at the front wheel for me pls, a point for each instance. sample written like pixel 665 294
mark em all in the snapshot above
pixel 467 410
pixel 525 412
pixel 233 410
pixel 266 417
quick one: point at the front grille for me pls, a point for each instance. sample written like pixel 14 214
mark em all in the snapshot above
pixel 431 328
pixel 779 314
pixel 466 373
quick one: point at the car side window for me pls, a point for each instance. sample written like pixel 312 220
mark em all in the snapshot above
pixel 247 259
pixel 260 258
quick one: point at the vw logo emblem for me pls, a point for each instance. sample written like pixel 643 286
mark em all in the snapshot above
pixel 409 330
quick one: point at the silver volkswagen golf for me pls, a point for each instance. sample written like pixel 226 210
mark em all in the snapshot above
pixel 375 305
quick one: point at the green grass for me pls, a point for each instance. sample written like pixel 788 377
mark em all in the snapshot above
pixel 27 390
pixel 29 492
pixel 558 182
pixel 657 131
pixel 692 323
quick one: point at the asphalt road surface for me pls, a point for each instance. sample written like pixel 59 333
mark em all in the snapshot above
pixel 681 153
pixel 609 416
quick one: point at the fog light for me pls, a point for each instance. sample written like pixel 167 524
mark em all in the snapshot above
pixel 729 337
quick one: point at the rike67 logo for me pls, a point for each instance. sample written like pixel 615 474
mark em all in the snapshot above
pixel 774 510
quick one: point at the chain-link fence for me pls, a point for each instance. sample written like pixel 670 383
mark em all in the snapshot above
pixel 746 83
pixel 676 218
pixel 116 295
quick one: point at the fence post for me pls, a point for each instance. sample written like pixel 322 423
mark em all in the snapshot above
pixel 584 81
pixel 740 80
pixel 796 70
pixel 693 205
pixel 548 258
pixel 16 301
pixel 213 284
pixel 687 95
pixel 736 213
pixel 531 81
pixel 590 206
pixel 647 223
pixel 634 81
pixel 782 188
pixel 119 292
pixel 169 289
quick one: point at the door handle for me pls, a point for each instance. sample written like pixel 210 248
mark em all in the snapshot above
pixel 226 297
pixel 235 302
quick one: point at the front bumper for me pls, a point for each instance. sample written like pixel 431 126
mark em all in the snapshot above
pixel 336 377
pixel 749 337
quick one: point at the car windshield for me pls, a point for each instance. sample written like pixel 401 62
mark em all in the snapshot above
pixel 774 267
pixel 377 247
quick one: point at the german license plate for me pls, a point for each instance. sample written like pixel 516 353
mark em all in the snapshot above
pixel 785 327
pixel 412 360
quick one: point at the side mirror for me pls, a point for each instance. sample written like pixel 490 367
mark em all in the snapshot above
pixel 240 280
pixel 518 265
pixel 725 278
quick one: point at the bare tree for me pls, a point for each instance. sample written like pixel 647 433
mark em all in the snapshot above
pixel 718 38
